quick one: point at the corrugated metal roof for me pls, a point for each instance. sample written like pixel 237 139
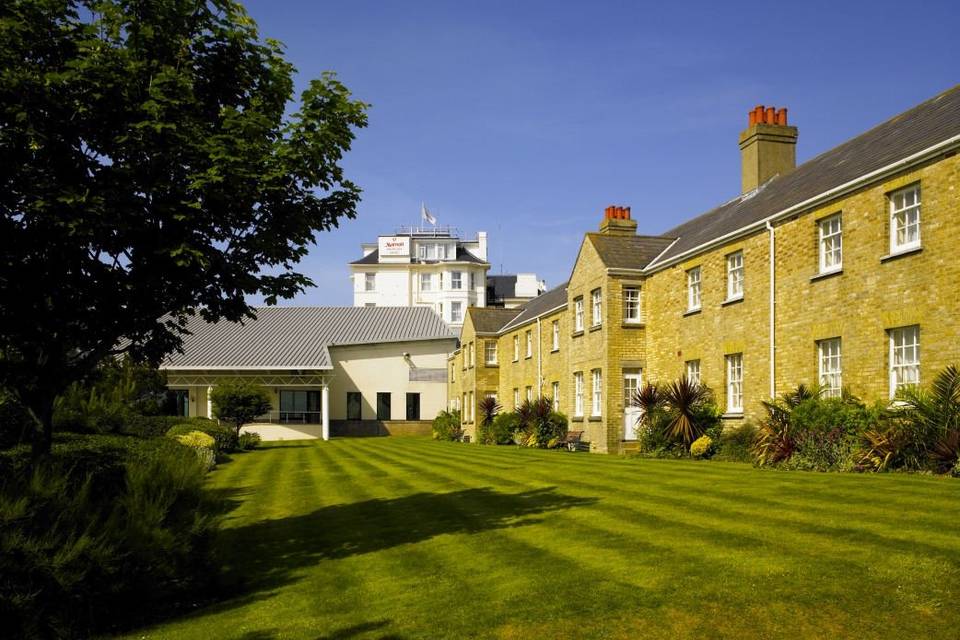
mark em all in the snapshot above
pixel 299 337
pixel 552 299
pixel 911 132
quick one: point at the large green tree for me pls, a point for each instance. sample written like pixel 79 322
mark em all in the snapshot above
pixel 150 169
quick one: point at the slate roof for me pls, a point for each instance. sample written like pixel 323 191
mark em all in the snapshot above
pixel 299 337
pixel 462 256
pixel 912 131
pixel 551 299
pixel 490 319
pixel 628 252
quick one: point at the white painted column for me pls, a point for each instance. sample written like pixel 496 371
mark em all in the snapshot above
pixel 209 403
pixel 325 411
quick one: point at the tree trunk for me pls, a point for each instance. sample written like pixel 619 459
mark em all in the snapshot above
pixel 41 410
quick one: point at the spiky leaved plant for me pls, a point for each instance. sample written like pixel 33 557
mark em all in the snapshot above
pixel 685 402
pixel 650 401
pixel 775 440
pixel 489 408
pixel 929 421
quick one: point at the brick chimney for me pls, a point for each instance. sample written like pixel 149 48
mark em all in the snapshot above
pixel 767 147
pixel 616 222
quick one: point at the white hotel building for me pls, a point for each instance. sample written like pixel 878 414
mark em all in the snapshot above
pixel 433 267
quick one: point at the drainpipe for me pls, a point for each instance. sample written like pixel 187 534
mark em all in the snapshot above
pixel 539 360
pixel 773 289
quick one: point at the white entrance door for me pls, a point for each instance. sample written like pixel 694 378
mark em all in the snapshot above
pixel 631 382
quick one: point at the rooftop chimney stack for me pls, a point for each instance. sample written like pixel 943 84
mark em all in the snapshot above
pixel 768 146
pixel 616 221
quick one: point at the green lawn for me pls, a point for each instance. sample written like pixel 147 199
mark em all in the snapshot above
pixel 409 538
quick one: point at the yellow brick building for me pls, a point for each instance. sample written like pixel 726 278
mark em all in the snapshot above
pixel 837 272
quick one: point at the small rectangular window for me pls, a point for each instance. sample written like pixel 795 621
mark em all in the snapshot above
pixel 596 407
pixel 426 282
pixel 829 367
pixel 555 394
pixel 596 312
pixel 456 280
pixel 516 348
pixel 578 314
pixel 369 282
pixel 693 289
pixel 735 275
pixel 578 394
pixel 631 384
pixel 735 383
pixel 383 405
pixel 831 244
pixel 904 358
pixel 529 339
pixel 516 397
pixel 413 406
pixel 905 219
pixel 631 304
pixel 528 393
pixel 354 404
pixel 556 335
pixel 693 371
pixel 456 311
pixel 490 351
pixel 472 354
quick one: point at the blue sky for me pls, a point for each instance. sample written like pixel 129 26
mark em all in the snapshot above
pixel 526 119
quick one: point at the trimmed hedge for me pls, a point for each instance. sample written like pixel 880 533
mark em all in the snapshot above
pixel 225 437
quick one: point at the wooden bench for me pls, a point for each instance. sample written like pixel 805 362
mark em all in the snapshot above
pixel 572 440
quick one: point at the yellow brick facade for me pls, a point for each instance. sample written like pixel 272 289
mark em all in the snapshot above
pixel 872 294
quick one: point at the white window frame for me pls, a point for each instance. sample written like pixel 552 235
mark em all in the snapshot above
pixel 369 281
pixel 473 354
pixel 528 392
pixel 555 391
pixel 516 397
pixel 422 251
pixel 735 275
pixel 830 232
pixel 578 314
pixel 516 347
pixel 596 402
pixel 596 308
pixel 456 311
pixel 905 216
pixel 694 298
pixel 456 280
pixel 426 282
pixel 830 367
pixel 632 382
pixel 490 351
pixel 578 394
pixel 556 335
pixel 472 279
pixel 693 370
pixel 734 366
pixel 631 304
pixel 529 341
pixel 904 357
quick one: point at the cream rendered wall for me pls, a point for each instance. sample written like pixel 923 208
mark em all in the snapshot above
pixel 392 287
pixel 370 369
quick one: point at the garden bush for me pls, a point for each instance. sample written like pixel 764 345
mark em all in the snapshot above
pixel 16 424
pixel 225 437
pixel 107 530
pixel 538 425
pixel 248 441
pixel 500 430
pixel 702 447
pixel 203 445
pixel 446 426
pixel 733 443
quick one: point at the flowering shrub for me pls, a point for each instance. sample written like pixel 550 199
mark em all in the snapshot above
pixel 197 440
pixel 702 447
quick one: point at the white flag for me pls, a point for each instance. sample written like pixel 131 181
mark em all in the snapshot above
pixel 426 215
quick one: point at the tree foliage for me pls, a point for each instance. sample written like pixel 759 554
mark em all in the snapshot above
pixel 150 170
pixel 240 403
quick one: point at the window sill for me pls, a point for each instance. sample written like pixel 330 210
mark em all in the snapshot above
pixel 633 324
pixel 596 327
pixel 492 365
pixel 555 350
pixel 595 419
pixel 900 254
pixel 527 357
pixel 577 333
pixel 692 312
pixel 826 274
pixel 731 301
pixel 576 419
pixel 732 415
